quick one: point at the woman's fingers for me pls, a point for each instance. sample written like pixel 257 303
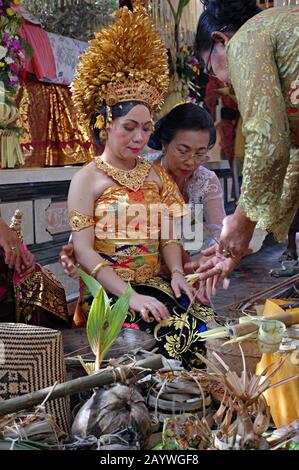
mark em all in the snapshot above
pixel 68 266
pixel 163 311
pixel 191 267
pixel 68 249
pixel 144 313
pixel 211 251
pixel 209 284
pixel 176 289
pixel 187 291
pixel 156 309
pixel 206 266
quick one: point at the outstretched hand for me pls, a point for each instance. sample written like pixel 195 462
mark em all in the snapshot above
pixel 14 255
pixel 214 269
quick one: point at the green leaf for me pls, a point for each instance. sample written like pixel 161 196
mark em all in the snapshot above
pixel 96 320
pixel 182 4
pixel 119 312
pixel 91 283
pixel 27 48
pixel 104 324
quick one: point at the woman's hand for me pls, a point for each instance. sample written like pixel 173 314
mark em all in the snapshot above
pixel 68 261
pixel 28 268
pixel 179 286
pixel 146 305
pixel 12 246
pixel 216 268
pixel 236 234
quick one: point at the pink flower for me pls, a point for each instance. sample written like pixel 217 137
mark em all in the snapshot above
pixel 16 45
pixel 13 67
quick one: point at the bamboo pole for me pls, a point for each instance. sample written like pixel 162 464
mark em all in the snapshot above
pixel 103 377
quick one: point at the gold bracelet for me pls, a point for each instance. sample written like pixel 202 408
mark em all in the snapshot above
pixel 177 270
pixel 163 244
pixel 98 267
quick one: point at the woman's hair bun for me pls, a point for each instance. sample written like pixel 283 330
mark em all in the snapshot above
pixel 231 11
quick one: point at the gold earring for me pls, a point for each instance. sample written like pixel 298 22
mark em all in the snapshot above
pixel 109 116
pixel 103 134
pixel 100 122
pixel 153 124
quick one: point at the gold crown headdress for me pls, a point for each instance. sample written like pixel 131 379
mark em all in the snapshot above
pixel 126 61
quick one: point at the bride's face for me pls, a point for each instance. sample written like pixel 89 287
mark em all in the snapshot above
pixel 129 134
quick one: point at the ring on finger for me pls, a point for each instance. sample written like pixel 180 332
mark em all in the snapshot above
pixel 227 253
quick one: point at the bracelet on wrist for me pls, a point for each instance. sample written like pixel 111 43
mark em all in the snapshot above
pixel 177 271
pixel 98 267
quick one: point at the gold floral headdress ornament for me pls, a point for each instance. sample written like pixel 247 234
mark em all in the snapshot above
pixel 126 61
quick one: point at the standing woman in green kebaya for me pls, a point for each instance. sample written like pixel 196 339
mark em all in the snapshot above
pixel 257 52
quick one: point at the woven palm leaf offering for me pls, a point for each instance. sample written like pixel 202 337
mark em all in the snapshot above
pixel 243 416
pixel 35 430
pixel 256 333
pixel 178 392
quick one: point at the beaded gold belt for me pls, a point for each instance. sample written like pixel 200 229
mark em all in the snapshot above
pixel 138 275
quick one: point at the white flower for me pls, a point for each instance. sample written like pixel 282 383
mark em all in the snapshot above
pixel 9 60
pixel 294 93
pixel 3 52
pixel 294 97
pixel 295 84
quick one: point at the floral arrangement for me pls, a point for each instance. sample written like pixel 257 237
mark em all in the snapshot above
pixel 188 66
pixel 12 46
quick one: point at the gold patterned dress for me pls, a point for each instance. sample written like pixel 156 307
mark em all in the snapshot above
pixel 137 260
pixel 264 70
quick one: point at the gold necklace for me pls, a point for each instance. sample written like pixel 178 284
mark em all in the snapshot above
pixel 131 179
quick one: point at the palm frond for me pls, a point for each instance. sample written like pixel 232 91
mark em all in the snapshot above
pixel 104 323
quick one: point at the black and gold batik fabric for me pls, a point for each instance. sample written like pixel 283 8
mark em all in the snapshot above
pixel 177 337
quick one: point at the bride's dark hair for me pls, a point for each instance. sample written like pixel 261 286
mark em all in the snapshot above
pixel 222 15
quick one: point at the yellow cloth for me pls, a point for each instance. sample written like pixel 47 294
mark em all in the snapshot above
pixel 264 70
pixel 283 400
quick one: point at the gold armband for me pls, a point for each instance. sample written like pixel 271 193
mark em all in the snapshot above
pixel 79 221
pixel 164 243
pixel 98 267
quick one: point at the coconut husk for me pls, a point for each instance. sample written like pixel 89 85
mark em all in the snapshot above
pixel 108 412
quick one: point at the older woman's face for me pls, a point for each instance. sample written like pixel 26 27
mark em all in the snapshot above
pixel 130 134
pixel 186 152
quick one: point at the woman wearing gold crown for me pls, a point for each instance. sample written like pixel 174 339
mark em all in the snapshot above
pixel 120 80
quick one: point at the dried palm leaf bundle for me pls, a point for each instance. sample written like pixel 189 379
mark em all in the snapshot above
pixel 178 392
pixel 30 431
pixel 108 412
pixel 254 305
pixel 243 415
